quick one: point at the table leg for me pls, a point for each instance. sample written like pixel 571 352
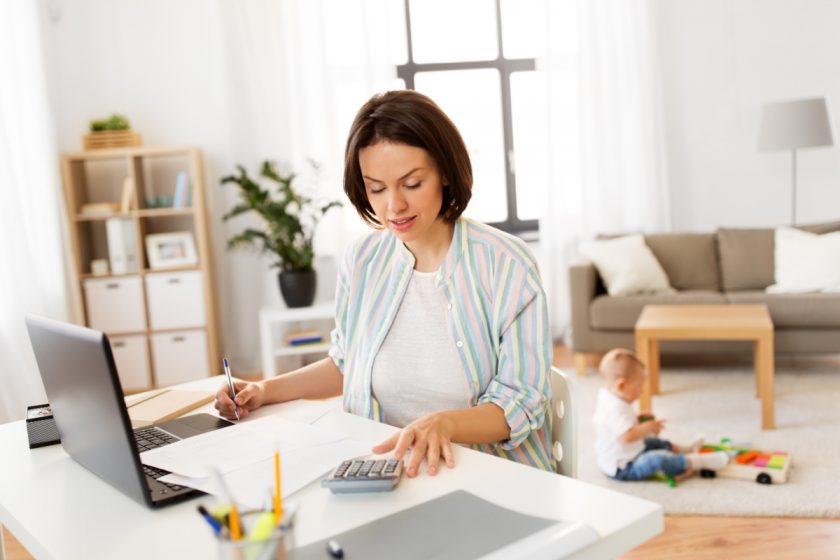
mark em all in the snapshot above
pixel 759 368
pixel 768 373
pixel 581 363
pixel 653 365
pixel 2 544
pixel 643 351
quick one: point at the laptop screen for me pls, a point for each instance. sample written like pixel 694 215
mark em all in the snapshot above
pixel 80 378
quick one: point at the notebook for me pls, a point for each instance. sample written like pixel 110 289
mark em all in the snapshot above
pixel 455 526
pixel 165 405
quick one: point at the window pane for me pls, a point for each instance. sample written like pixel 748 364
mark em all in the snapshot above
pixel 472 99
pixel 529 106
pixel 523 28
pixel 446 31
pixel 360 31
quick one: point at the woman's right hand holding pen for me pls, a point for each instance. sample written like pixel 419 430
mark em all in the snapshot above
pixel 249 397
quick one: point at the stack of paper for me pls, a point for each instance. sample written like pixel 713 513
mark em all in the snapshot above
pixel 244 455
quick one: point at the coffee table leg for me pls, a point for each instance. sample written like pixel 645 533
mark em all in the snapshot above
pixel 759 367
pixel 643 351
pixel 653 361
pixel 767 386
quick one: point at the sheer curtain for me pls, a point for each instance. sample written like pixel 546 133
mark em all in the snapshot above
pixel 298 71
pixel 32 275
pixel 608 170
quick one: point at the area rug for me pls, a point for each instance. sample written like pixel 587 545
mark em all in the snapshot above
pixel 717 402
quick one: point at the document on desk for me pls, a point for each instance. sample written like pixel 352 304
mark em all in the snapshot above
pixel 244 454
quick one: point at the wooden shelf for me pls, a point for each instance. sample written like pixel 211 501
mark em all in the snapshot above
pixel 163 212
pixel 302 349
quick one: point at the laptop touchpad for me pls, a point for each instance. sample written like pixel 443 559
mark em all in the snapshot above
pixel 193 425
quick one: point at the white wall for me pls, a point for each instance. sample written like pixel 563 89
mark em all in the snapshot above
pixel 722 59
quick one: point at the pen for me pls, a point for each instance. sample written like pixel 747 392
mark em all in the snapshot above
pixel 334 549
pixel 278 498
pixel 217 527
pixel 233 515
pixel 230 384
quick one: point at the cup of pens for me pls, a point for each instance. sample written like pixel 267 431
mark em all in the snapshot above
pixel 261 537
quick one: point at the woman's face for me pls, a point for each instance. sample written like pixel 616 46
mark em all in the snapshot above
pixel 404 189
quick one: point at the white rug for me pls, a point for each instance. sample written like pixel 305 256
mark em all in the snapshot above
pixel 719 402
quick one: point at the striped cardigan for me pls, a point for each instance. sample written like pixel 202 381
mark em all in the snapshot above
pixel 498 321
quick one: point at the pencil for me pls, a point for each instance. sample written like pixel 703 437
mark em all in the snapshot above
pixel 278 499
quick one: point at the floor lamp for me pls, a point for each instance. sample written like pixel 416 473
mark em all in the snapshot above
pixel 794 125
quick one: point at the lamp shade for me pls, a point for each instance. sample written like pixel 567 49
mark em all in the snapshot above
pixel 790 125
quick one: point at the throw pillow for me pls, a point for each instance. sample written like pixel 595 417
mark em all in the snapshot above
pixel 626 265
pixel 806 262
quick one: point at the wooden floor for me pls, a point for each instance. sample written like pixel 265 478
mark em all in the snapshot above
pixel 698 538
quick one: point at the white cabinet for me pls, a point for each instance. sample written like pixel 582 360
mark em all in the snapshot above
pixel 275 324
pixel 115 305
pixel 175 300
pixel 179 356
pixel 132 361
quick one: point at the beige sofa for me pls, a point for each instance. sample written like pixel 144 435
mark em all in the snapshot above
pixel 728 266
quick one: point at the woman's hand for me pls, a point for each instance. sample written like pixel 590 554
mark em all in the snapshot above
pixel 249 396
pixel 430 437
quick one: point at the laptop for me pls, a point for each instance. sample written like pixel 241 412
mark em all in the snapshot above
pixel 79 374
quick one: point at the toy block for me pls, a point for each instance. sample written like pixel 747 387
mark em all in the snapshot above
pixel 761 460
pixel 776 462
pixel 746 457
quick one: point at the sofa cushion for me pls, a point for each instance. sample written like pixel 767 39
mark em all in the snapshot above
pixel 806 262
pixel 626 265
pixel 746 258
pixel 789 311
pixel 689 259
pixel 621 312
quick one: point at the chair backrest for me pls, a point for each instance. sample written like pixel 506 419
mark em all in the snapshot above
pixel 564 424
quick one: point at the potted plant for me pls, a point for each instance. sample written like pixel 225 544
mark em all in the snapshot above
pixel 288 224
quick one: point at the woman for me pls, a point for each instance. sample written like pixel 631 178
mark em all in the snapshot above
pixel 441 322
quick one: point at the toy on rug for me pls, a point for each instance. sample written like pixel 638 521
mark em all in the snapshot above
pixel 765 467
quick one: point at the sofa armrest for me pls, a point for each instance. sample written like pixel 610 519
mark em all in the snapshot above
pixel 583 287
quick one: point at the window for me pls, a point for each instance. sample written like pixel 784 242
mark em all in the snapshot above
pixel 476 59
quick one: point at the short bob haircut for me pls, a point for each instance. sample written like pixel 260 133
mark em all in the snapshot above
pixel 410 118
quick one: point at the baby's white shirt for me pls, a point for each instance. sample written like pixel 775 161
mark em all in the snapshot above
pixel 614 416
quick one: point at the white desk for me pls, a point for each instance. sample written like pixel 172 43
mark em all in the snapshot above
pixel 58 509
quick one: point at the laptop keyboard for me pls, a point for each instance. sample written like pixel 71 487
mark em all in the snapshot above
pixel 152 438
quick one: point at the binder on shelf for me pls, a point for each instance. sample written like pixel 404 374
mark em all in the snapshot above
pixel 122 247
pixel 300 338
pixel 127 194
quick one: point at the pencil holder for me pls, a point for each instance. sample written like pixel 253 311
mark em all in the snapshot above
pixel 260 540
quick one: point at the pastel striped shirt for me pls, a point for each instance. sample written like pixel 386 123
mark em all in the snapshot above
pixel 498 321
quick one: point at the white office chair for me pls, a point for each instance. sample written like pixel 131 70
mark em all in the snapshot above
pixel 564 424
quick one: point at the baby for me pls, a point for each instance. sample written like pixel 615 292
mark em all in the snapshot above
pixel 627 445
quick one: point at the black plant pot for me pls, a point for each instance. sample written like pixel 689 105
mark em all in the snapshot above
pixel 298 287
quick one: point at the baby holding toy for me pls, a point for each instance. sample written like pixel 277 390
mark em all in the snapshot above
pixel 627 446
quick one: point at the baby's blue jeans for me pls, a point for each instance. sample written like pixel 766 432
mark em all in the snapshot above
pixel 657 456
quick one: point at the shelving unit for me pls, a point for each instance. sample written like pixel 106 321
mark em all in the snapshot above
pixel 275 322
pixel 161 321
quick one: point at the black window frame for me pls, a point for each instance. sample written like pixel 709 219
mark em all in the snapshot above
pixel 506 67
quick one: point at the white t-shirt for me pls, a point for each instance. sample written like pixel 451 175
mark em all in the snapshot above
pixel 417 370
pixel 614 416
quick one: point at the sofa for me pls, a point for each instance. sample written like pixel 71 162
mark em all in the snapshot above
pixel 729 266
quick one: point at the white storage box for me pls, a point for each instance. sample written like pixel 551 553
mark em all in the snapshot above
pixel 175 299
pixel 179 356
pixel 115 305
pixel 132 362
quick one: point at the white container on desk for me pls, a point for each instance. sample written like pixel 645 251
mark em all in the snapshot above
pixel 175 300
pixel 179 356
pixel 115 305
pixel 132 361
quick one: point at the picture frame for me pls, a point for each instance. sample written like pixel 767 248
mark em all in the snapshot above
pixel 171 250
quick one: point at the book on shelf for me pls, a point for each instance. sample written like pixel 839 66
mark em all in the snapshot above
pixel 301 338
pixel 127 194
pixel 181 186
pixel 122 247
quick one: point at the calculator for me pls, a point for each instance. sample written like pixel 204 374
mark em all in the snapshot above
pixel 359 475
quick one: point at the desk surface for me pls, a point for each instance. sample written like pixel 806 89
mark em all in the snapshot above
pixel 58 509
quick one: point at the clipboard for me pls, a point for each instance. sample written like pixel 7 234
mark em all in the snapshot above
pixel 163 405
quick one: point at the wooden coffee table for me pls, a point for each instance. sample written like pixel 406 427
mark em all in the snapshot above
pixel 709 322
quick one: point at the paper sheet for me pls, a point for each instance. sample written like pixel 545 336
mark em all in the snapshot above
pixel 252 485
pixel 238 446
pixel 301 410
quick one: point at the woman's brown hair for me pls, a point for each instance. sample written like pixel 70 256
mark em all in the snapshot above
pixel 410 118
